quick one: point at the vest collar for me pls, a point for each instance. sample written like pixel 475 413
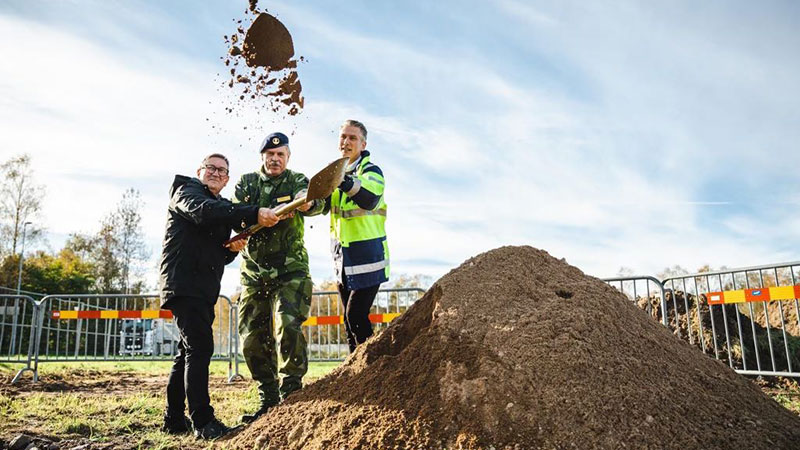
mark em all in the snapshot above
pixel 362 158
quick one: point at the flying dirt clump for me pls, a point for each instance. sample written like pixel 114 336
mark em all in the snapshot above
pixel 515 349
pixel 262 71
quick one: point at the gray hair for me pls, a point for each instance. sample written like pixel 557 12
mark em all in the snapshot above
pixel 357 124
pixel 216 155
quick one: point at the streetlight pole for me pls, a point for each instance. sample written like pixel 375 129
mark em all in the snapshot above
pixel 18 300
pixel 21 253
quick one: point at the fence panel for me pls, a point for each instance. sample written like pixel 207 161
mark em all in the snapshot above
pixel 746 317
pixel 18 315
pixel 119 328
pixel 324 330
pixel 645 291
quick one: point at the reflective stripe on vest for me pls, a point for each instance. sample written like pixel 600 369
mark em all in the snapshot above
pixel 366 268
pixel 358 212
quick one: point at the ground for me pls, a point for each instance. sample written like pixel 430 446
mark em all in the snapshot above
pixel 112 405
pixel 119 405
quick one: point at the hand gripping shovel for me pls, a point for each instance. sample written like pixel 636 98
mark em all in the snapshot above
pixel 320 186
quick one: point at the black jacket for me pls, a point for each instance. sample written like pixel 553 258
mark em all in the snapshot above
pixel 198 223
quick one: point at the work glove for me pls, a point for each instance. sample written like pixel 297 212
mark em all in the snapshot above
pixel 347 183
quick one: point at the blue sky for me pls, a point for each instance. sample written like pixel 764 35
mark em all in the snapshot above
pixel 636 134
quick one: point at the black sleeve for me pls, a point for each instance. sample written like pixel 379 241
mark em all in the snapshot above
pixel 230 256
pixel 197 207
pixel 364 198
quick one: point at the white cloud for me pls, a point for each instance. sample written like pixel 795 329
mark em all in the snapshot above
pixel 609 168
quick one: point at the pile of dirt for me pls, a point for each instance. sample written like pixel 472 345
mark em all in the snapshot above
pixel 262 73
pixel 517 349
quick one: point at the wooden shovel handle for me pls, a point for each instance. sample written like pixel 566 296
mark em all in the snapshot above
pixel 280 211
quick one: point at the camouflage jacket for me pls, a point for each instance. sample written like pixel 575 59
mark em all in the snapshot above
pixel 277 250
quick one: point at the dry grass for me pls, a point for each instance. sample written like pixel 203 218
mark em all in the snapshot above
pixel 112 405
pixel 120 405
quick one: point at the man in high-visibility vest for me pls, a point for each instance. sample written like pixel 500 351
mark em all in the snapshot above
pixel 358 237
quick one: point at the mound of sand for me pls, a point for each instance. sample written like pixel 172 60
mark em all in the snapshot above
pixel 516 349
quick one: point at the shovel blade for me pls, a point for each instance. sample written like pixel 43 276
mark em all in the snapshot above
pixel 326 180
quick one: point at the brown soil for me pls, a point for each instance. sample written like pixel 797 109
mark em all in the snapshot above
pixel 263 74
pixel 516 349
pixel 268 43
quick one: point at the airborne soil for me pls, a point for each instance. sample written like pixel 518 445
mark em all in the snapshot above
pixel 263 73
pixel 517 349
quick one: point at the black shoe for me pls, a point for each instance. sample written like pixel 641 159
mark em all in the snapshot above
pixel 178 425
pixel 250 418
pixel 212 430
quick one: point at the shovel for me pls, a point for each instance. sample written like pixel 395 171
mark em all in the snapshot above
pixel 320 186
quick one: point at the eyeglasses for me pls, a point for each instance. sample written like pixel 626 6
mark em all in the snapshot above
pixel 214 169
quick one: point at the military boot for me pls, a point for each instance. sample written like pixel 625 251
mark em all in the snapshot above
pixel 251 417
pixel 268 399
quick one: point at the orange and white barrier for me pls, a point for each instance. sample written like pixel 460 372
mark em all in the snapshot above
pixel 754 295
pixel 166 314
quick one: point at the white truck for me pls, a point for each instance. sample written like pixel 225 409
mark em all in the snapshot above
pixel 152 337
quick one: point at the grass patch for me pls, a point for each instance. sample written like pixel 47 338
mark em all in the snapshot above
pixel 104 409
pixel 97 406
pixel 216 369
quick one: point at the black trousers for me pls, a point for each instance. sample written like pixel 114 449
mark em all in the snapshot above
pixel 357 304
pixel 188 380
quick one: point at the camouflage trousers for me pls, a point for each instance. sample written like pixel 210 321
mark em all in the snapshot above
pixel 270 319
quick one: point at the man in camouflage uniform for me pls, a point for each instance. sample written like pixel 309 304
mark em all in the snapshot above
pixel 276 285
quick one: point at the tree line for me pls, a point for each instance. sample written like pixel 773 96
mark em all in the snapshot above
pixel 110 260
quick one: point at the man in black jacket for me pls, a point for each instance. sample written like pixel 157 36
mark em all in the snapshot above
pixel 192 263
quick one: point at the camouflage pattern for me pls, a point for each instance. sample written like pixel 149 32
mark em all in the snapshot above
pixel 276 250
pixel 270 317
pixel 276 287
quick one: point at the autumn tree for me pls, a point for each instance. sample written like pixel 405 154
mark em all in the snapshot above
pixel 42 272
pixel 20 202
pixel 117 252
pixel 131 251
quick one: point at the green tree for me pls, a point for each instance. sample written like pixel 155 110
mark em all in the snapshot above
pixel 64 273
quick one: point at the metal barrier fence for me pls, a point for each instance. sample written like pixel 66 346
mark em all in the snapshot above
pixel 97 327
pixel 82 327
pixel 4 290
pixel 647 286
pixel 327 340
pixel 18 313
pixel 746 317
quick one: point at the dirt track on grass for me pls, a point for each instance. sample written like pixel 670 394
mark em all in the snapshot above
pixel 97 382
